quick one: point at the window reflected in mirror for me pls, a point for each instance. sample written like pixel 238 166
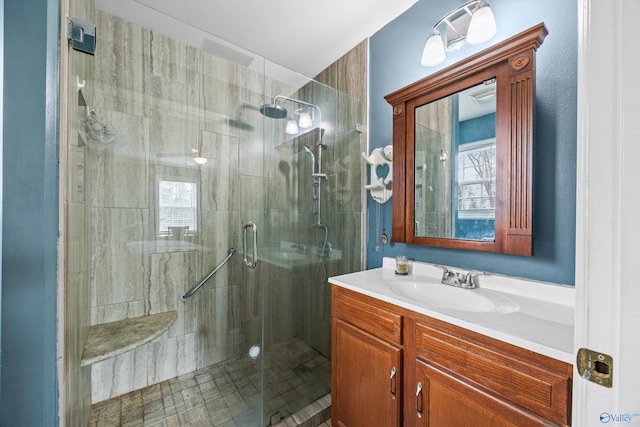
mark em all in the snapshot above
pixel 455 165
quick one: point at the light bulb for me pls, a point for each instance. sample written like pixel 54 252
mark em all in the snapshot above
pixel 305 120
pixel 292 127
pixel 482 26
pixel 433 53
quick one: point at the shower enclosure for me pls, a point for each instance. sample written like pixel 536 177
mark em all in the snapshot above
pixel 172 169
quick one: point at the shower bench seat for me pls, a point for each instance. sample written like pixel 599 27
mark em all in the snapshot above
pixel 112 339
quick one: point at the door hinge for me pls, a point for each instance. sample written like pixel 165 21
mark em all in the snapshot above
pixel 82 35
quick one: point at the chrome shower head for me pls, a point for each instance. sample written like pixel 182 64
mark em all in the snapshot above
pixel 273 111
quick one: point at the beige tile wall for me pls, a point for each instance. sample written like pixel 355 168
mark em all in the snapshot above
pixel 74 319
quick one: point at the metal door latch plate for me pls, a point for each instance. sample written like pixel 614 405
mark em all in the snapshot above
pixel 595 366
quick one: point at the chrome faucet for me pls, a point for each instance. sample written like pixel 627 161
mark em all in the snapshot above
pixel 459 280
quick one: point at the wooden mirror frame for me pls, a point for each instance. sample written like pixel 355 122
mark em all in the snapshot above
pixel 512 61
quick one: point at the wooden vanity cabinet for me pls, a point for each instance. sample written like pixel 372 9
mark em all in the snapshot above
pixel 366 363
pixel 468 379
pixel 451 377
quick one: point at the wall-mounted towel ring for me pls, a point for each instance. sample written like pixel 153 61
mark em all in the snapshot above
pixel 380 160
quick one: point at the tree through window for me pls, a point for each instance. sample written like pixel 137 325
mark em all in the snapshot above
pixel 477 179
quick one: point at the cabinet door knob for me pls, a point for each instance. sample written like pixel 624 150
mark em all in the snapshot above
pixel 392 383
pixel 419 400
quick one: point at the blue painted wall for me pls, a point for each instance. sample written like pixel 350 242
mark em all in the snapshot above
pixel 30 213
pixel 395 53
pixel 477 129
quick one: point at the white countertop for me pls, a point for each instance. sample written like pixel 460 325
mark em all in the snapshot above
pixel 539 316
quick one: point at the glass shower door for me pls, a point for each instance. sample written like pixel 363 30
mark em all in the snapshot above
pixel 169 163
pixel 312 209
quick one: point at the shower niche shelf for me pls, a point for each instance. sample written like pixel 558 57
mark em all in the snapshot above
pixel 109 340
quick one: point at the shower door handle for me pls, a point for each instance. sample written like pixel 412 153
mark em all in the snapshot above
pixel 254 261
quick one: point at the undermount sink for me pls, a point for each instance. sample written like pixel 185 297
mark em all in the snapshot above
pixel 449 297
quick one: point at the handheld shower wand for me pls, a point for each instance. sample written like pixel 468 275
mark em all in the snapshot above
pixel 313 158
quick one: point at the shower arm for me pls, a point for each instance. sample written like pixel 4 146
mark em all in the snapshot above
pixel 302 103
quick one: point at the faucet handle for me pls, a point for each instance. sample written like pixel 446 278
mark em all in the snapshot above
pixel 470 279
pixel 446 273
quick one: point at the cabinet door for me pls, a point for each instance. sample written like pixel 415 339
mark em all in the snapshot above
pixel 442 400
pixel 366 388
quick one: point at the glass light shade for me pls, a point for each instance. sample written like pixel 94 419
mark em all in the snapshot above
pixel 433 53
pixel 200 160
pixel 292 127
pixel 482 26
pixel 305 120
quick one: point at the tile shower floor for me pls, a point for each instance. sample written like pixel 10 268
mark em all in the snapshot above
pixel 226 394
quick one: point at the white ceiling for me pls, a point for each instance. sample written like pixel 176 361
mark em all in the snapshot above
pixel 302 35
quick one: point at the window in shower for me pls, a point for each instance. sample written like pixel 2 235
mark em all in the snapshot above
pixel 177 207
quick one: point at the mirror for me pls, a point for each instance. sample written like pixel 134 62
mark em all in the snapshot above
pixel 463 148
pixel 455 165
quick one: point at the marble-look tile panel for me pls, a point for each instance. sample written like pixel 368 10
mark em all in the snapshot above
pixel 253 136
pixel 252 150
pixel 76 380
pixel 284 169
pixel 252 194
pixel 320 298
pixel 219 232
pixel 277 224
pixel 219 176
pixel 349 113
pixel 280 300
pixel 169 96
pixel 114 312
pixel 173 273
pixel 351 240
pixel 218 324
pixel 349 75
pixel 118 170
pixel 77 255
pixel 251 290
pixel 221 90
pixel 117 273
pixel 119 375
pixel 321 336
pixel 169 358
pixel 173 60
pixel 122 65
pixel 346 173
pixel 173 138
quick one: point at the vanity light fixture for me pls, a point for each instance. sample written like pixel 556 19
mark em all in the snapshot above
pixel 472 22
pixel 304 121
pixel 292 127
pixel 483 25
